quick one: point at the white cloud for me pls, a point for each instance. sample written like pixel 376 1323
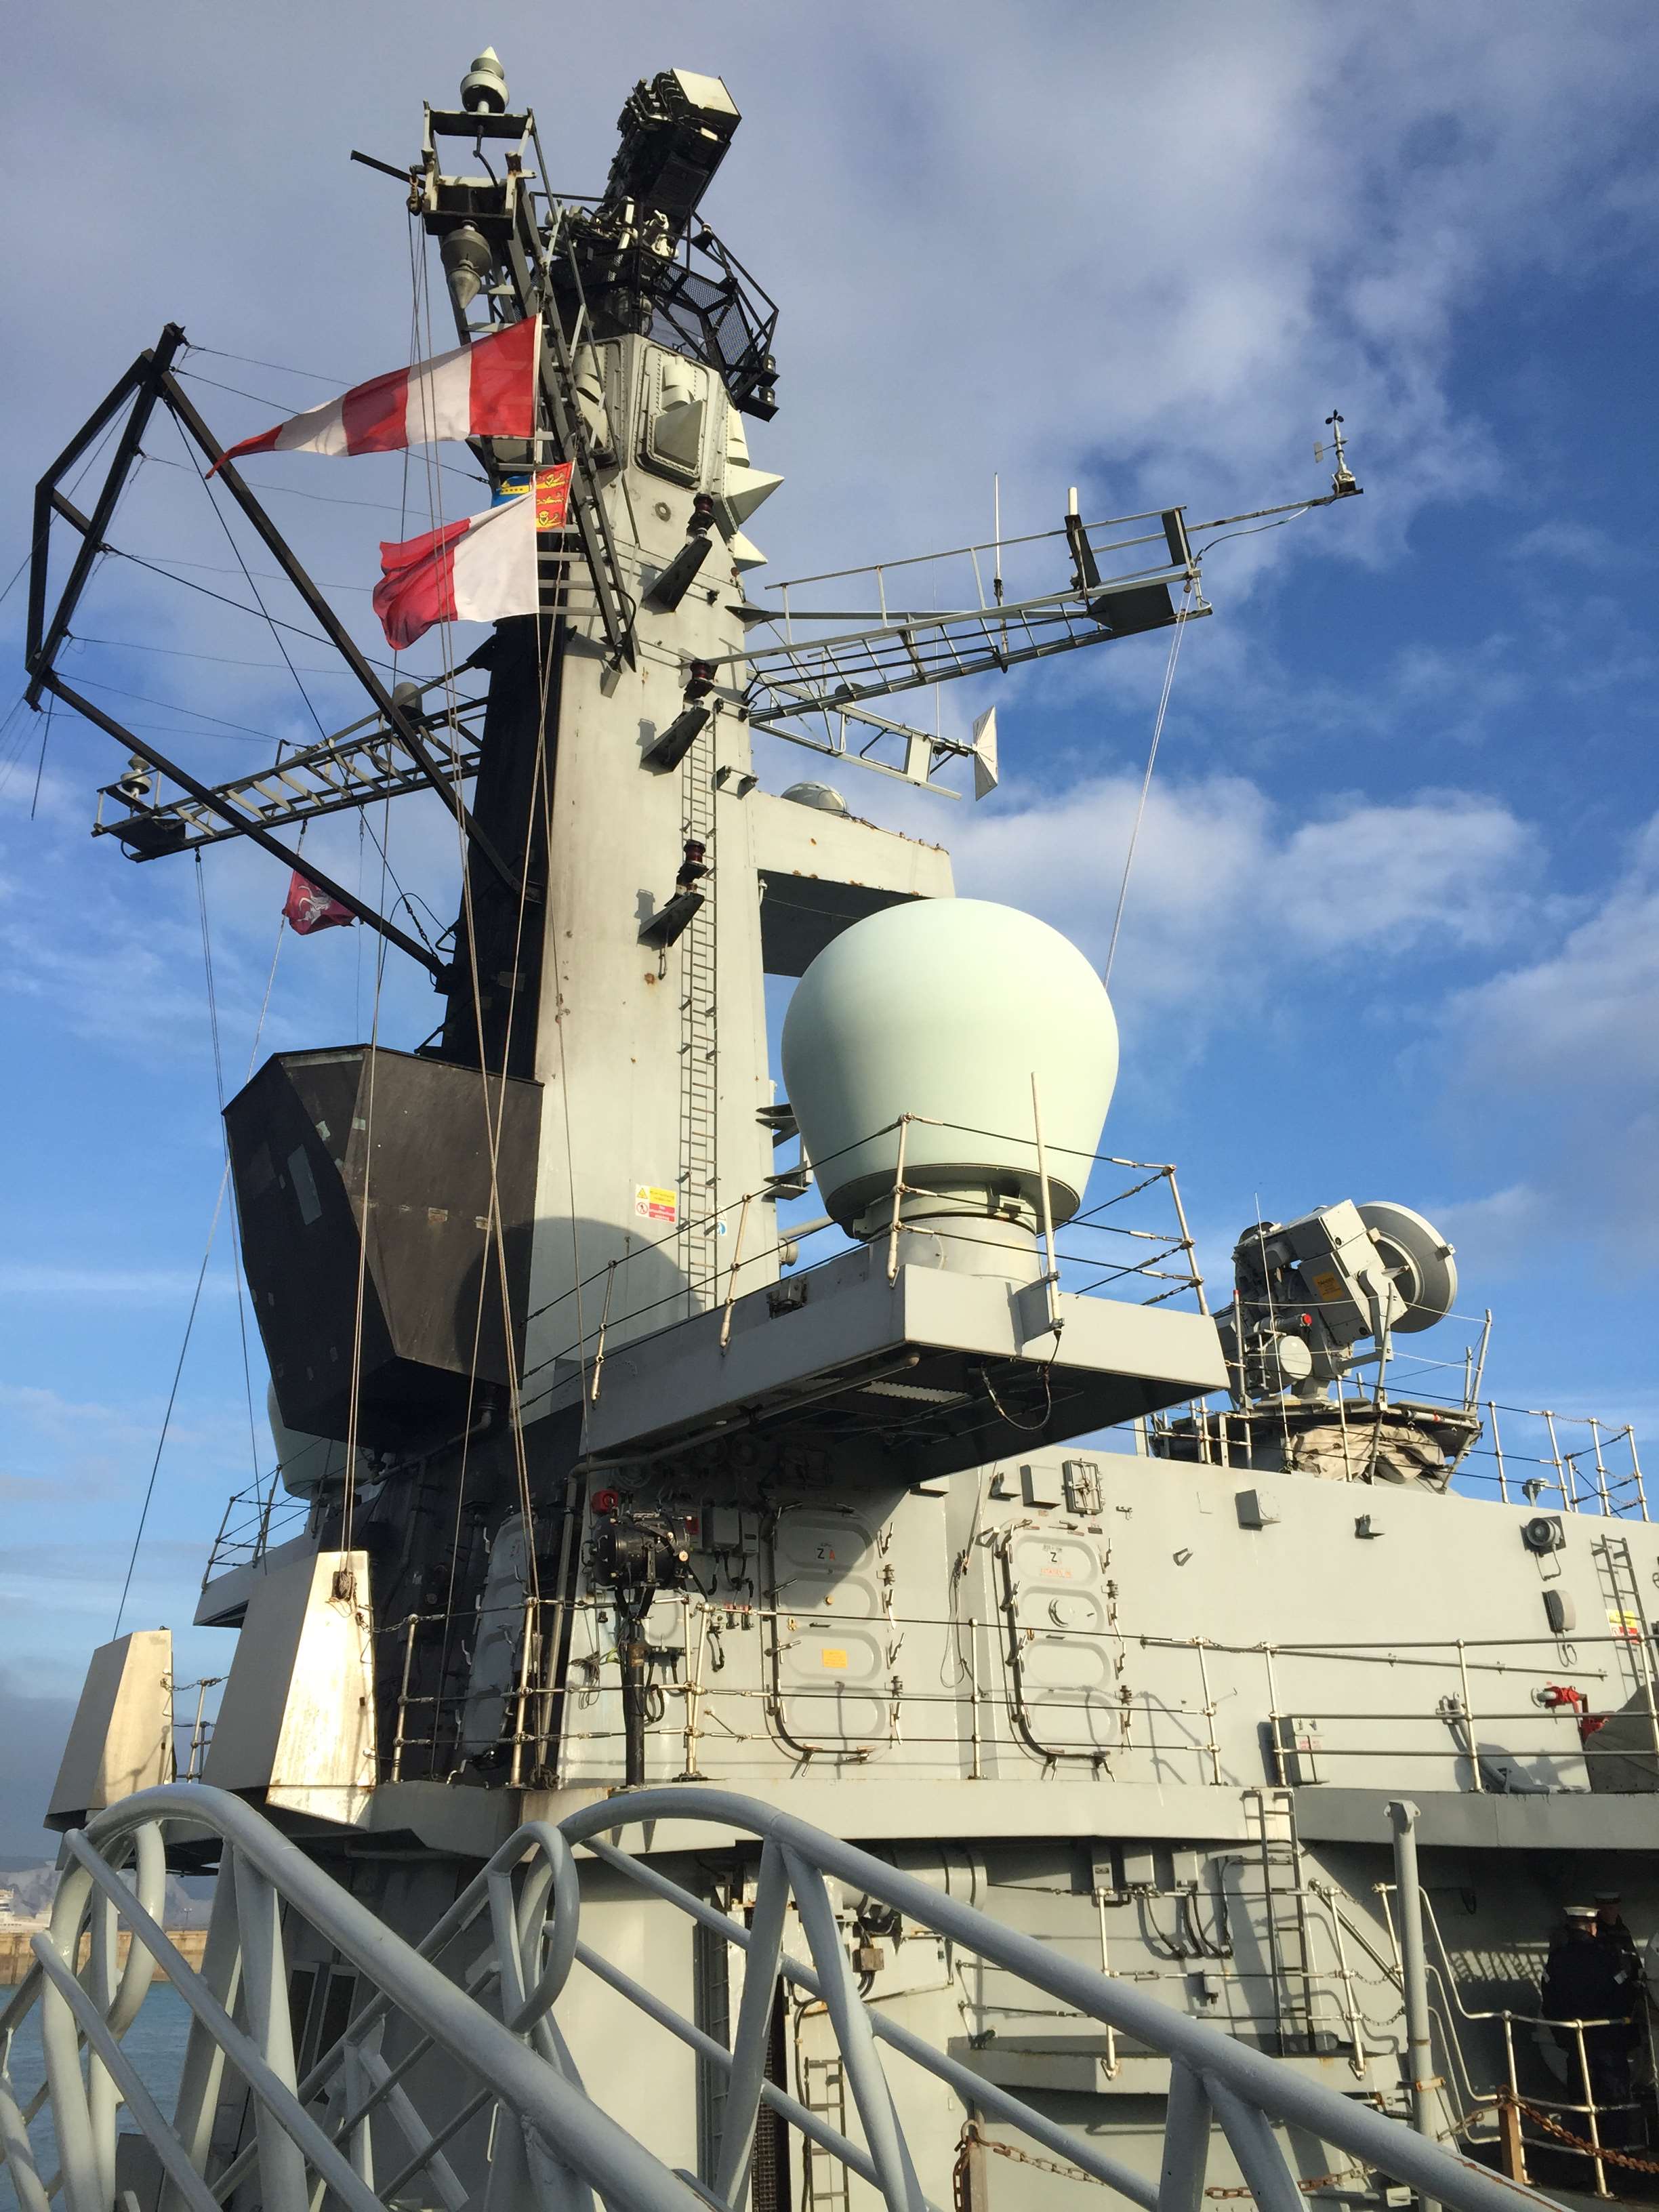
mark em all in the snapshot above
pixel 1563 1051
pixel 1561 539
pixel 1233 898
pixel 82 1442
pixel 1504 1228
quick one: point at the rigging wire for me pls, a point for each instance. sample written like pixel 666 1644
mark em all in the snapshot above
pixel 288 491
pixel 219 1091
pixel 349 1498
pixel 1146 781
pixel 176 707
pixel 184 653
pixel 421 316
pixel 207 1255
pixel 282 367
pixel 12 748
pixel 173 1397
pixel 240 606
pixel 80 478
pixel 265 575
pixel 230 538
pixel 1181 620
pixel 40 765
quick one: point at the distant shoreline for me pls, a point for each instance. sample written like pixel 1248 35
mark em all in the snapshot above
pixel 17 1954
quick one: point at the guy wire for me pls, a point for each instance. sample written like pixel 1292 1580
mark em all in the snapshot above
pixel 1146 781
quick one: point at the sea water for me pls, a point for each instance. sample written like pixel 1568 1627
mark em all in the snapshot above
pixel 154 2043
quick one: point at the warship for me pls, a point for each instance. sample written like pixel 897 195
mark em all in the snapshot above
pixel 792 1655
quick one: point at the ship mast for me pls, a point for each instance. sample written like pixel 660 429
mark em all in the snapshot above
pixel 446 1248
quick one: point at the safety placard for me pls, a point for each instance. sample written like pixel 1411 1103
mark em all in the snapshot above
pixel 652 1203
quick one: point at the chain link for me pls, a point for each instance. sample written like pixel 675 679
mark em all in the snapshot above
pixel 1313 2181
pixel 970 2139
pixel 1554 2127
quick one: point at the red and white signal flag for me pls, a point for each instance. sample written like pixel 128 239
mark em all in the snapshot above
pixel 478 570
pixel 485 390
pixel 306 908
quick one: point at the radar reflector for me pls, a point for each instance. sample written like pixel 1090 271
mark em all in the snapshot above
pixel 985 754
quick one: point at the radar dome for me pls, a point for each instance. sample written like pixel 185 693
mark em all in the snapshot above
pixel 947 1008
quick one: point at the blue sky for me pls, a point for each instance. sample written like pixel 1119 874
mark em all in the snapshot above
pixel 1392 930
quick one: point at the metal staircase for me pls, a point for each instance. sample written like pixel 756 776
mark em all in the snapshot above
pixel 455 2080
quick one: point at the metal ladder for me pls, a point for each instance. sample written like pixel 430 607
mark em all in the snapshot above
pixel 1284 1914
pixel 699 1172
pixel 1623 1591
pixel 823 2091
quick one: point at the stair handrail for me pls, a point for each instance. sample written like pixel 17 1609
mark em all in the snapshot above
pixel 1210 2069
pixel 519 2056
pixel 264 1866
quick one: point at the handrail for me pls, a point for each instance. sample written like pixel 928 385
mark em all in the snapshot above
pixel 1262 2083
pixel 497 2025
pixel 260 1867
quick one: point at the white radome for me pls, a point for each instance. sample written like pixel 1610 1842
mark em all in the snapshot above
pixel 947 1008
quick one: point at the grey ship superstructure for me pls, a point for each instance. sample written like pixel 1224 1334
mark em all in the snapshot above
pixel 952 1523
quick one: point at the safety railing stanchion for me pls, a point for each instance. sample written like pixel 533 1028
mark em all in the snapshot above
pixel 898 1200
pixel 1592 2121
pixel 1497 1450
pixel 1477 1780
pixel 1635 1471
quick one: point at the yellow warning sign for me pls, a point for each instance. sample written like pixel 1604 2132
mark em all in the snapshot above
pixel 1327 1286
pixel 652 1203
pixel 834 1658
pixel 1626 1624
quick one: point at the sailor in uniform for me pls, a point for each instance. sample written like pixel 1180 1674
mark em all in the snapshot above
pixel 1592 1979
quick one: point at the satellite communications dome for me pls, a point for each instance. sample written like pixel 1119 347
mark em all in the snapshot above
pixel 947 1008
